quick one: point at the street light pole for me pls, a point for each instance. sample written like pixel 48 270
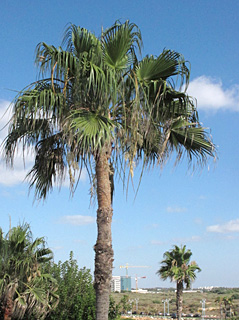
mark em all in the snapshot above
pixel 136 302
pixel 168 304
pixel 203 308
pixel 164 307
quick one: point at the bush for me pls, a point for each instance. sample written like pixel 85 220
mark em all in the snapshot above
pixel 76 292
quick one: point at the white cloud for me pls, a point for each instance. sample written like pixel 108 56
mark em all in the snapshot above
pixel 5 115
pixel 176 209
pixel 211 95
pixel 228 227
pixel 77 220
pixel 17 175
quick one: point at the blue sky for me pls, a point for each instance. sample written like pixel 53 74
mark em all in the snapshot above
pixel 173 206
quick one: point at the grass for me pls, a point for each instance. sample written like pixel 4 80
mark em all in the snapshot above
pixel 152 302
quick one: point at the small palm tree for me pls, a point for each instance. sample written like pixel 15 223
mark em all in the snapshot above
pixel 98 106
pixel 228 304
pixel 219 300
pixel 176 267
pixel 24 289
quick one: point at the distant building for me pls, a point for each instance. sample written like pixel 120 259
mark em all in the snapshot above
pixel 141 291
pixel 115 284
pixel 125 283
pixel 207 288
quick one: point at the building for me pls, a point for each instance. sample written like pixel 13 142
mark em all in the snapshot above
pixel 141 291
pixel 126 283
pixel 115 284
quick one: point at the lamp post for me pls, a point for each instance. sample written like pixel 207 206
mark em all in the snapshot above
pixel 136 302
pixel 168 300
pixel 203 308
pixel 164 307
pixel 165 301
pixel 131 305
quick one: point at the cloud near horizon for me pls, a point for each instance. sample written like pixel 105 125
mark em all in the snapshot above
pixel 17 174
pixel 212 96
pixel 77 220
pixel 228 227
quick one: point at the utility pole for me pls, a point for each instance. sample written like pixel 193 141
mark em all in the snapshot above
pixel 131 305
pixel 167 300
pixel 136 303
pixel 164 307
pixel 203 308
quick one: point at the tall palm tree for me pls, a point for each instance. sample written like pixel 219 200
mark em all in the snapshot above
pixel 97 106
pixel 176 267
pixel 24 289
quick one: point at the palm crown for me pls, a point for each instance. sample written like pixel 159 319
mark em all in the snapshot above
pixel 95 93
pixel 177 266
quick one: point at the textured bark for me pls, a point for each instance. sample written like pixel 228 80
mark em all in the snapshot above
pixel 103 247
pixel 179 299
pixel 8 309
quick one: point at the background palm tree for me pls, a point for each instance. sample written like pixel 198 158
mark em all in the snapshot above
pixel 176 267
pixel 24 289
pixel 97 106
pixel 219 300
pixel 228 304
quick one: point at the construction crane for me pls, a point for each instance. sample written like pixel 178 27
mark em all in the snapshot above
pixel 127 266
pixel 136 281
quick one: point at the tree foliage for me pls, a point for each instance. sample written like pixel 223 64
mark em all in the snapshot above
pixel 177 266
pixel 25 290
pixel 75 290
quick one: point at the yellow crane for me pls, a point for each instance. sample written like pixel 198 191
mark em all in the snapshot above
pixel 136 281
pixel 128 266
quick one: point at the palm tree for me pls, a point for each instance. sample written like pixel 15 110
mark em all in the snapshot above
pixel 219 300
pixel 97 106
pixel 228 304
pixel 24 289
pixel 176 267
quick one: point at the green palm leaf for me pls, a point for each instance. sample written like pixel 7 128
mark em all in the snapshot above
pixel 165 66
pixel 119 43
pixel 92 130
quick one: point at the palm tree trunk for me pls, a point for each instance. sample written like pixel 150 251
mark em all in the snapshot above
pixel 103 247
pixel 179 299
pixel 8 309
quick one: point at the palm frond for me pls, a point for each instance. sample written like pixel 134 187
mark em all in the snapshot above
pixel 49 163
pixel 92 130
pixel 119 43
pixel 166 65
pixel 79 41
pixel 55 60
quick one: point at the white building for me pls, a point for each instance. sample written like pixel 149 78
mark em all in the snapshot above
pixel 115 284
